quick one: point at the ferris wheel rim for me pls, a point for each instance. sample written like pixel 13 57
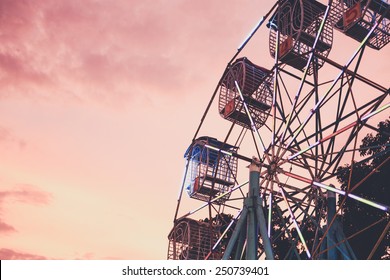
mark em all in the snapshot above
pixel 294 152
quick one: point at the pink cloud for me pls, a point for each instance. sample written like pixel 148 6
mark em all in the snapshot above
pixel 109 50
pixel 7 136
pixel 21 193
pixel 16 18
pixel 9 254
pixel 17 61
pixel 94 48
pixel 6 228
pixel 27 194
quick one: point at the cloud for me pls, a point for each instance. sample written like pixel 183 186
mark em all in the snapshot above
pixel 19 67
pixel 109 50
pixel 6 228
pixel 93 49
pixel 7 136
pixel 9 254
pixel 23 193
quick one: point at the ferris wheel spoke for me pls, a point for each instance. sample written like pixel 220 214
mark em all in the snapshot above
pixel 274 96
pixel 308 211
pixel 269 214
pixel 288 128
pixel 337 159
pixel 279 104
pixel 331 158
pixel 384 233
pixel 323 140
pixel 345 128
pixel 353 100
pixel 352 163
pixel 342 239
pixel 295 223
pixel 284 124
pixel 286 227
pixel 340 118
pixel 305 73
pixel 319 135
pixel 289 197
pixel 292 189
pixel 288 123
pixel 236 233
pixel 266 188
pixel 232 222
pixel 253 126
pixel 379 206
pixel 215 199
pixel 320 102
pixel 181 190
pixel 255 143
pixel 334 174
pixel 376 169
pixel 335 162
pixel 279 144
pixel 270 201
pixel 341 105
pixel 301 211
pixel 362 149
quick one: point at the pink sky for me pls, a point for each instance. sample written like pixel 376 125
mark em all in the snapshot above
pixel 98 101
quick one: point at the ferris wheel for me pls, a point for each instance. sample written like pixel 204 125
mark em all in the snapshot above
pixel 297 125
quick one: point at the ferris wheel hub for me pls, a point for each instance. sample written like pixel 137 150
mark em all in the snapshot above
pixel 273 168
pixel 305 127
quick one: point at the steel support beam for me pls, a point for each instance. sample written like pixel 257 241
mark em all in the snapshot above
pixel 251 224
pixel 331 213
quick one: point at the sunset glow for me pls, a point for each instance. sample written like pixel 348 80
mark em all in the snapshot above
pixel 98 102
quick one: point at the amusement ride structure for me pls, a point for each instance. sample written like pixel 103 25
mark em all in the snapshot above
pixel 300 125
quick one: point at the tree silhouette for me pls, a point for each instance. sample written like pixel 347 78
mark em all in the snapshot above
pixel 371 175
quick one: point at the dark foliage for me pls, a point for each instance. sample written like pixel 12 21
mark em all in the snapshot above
pixel 366 222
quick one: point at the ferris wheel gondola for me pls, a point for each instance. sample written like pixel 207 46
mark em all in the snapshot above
pixel 302 128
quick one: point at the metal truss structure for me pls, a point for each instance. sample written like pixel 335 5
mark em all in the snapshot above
pixel 301 126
